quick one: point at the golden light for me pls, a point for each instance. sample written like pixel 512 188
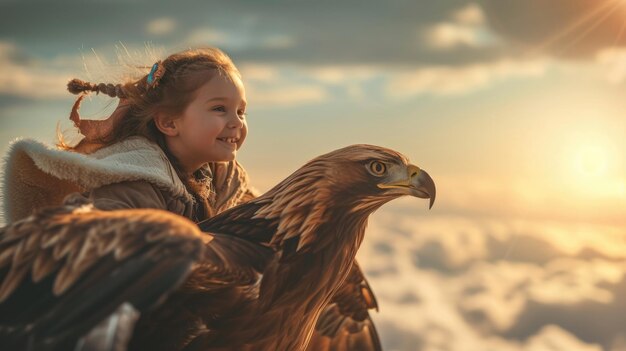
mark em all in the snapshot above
pixel 594 169
pixel 591 161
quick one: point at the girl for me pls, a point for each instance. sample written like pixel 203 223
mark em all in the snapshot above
pixel 170 144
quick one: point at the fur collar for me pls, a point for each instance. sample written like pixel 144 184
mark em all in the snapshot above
pixel 37 175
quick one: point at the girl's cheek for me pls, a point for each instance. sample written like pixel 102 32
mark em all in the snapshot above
pixel 203 136
pixel 244 133
pixel 208 127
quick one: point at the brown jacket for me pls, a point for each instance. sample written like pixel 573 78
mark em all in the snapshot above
pixel 134 173
pixel 143 194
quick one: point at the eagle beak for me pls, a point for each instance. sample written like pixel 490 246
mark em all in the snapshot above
pixel 416 182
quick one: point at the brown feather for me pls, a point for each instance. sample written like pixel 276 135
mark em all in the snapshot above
pixel 88 248
pixel 6 255
pixel 44 265
pixel 72 239
pixel 66 276
pixel 12 280
pixel 345 324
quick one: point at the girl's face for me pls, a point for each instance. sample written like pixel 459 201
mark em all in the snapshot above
pixel 213 126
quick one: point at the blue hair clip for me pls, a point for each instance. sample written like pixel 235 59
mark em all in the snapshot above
pixel 151 74
pixel 155 74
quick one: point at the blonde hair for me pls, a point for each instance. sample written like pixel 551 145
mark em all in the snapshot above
pixel 180 76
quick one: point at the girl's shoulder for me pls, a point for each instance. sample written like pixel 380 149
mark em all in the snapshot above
pixel 138 194
pixel 36 174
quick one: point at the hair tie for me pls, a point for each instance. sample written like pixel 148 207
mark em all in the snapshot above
pixel 155 74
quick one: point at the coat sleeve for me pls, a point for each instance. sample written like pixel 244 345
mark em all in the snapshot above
pixel 127 194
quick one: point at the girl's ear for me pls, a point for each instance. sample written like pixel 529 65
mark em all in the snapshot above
pixel 166 124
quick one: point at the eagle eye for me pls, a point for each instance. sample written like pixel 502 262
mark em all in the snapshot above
pixel 377 168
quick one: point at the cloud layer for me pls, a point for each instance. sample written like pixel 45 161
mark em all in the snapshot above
pixel 463 283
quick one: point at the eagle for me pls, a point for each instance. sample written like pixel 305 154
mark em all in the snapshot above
pixel 275 273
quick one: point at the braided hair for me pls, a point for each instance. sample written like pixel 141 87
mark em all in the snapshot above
pixel 77 86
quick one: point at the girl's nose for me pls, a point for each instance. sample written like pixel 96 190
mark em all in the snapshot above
pixel 236 121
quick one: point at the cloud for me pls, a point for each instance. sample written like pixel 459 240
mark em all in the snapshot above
pixel 352 33
pixel 585 281
pixel 449 35
pixel 278 41
pixel 449 80
pixel 563 28
pixel 27 78
pixel 553 338
pixel 356 81
pixel 615 60
pixel 341 74
pixel 212 36
pixel 286 96
pixel 592 321
pixel 30 78
pixel 474 283
pixel 291 85
pixel 539 199
pixel 258 72
pixel 471 14
pixel 487 287
pixel 279 87
pixel 161 26
pixel 235 39
pixel 466 28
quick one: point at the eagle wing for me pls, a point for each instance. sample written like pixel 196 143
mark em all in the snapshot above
pixel 345 323
pixel 65 269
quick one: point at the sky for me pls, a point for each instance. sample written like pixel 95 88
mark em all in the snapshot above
pixel 514 107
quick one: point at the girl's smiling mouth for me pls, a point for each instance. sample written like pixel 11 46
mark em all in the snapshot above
pixel 229 141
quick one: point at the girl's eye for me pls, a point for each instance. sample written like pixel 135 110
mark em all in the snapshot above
pixel 219 108
pixel 378 168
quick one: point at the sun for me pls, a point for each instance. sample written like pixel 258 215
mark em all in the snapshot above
pixel 591 161
pixel 594 169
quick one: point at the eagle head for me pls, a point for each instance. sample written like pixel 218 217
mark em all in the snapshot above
pixel 339 187
pixel 369 176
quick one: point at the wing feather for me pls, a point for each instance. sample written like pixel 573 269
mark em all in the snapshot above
pixel 240 221
pixel 345 324
pixel 65 269
pixel 232 265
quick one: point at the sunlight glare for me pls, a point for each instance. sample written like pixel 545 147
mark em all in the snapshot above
pixel 591 161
